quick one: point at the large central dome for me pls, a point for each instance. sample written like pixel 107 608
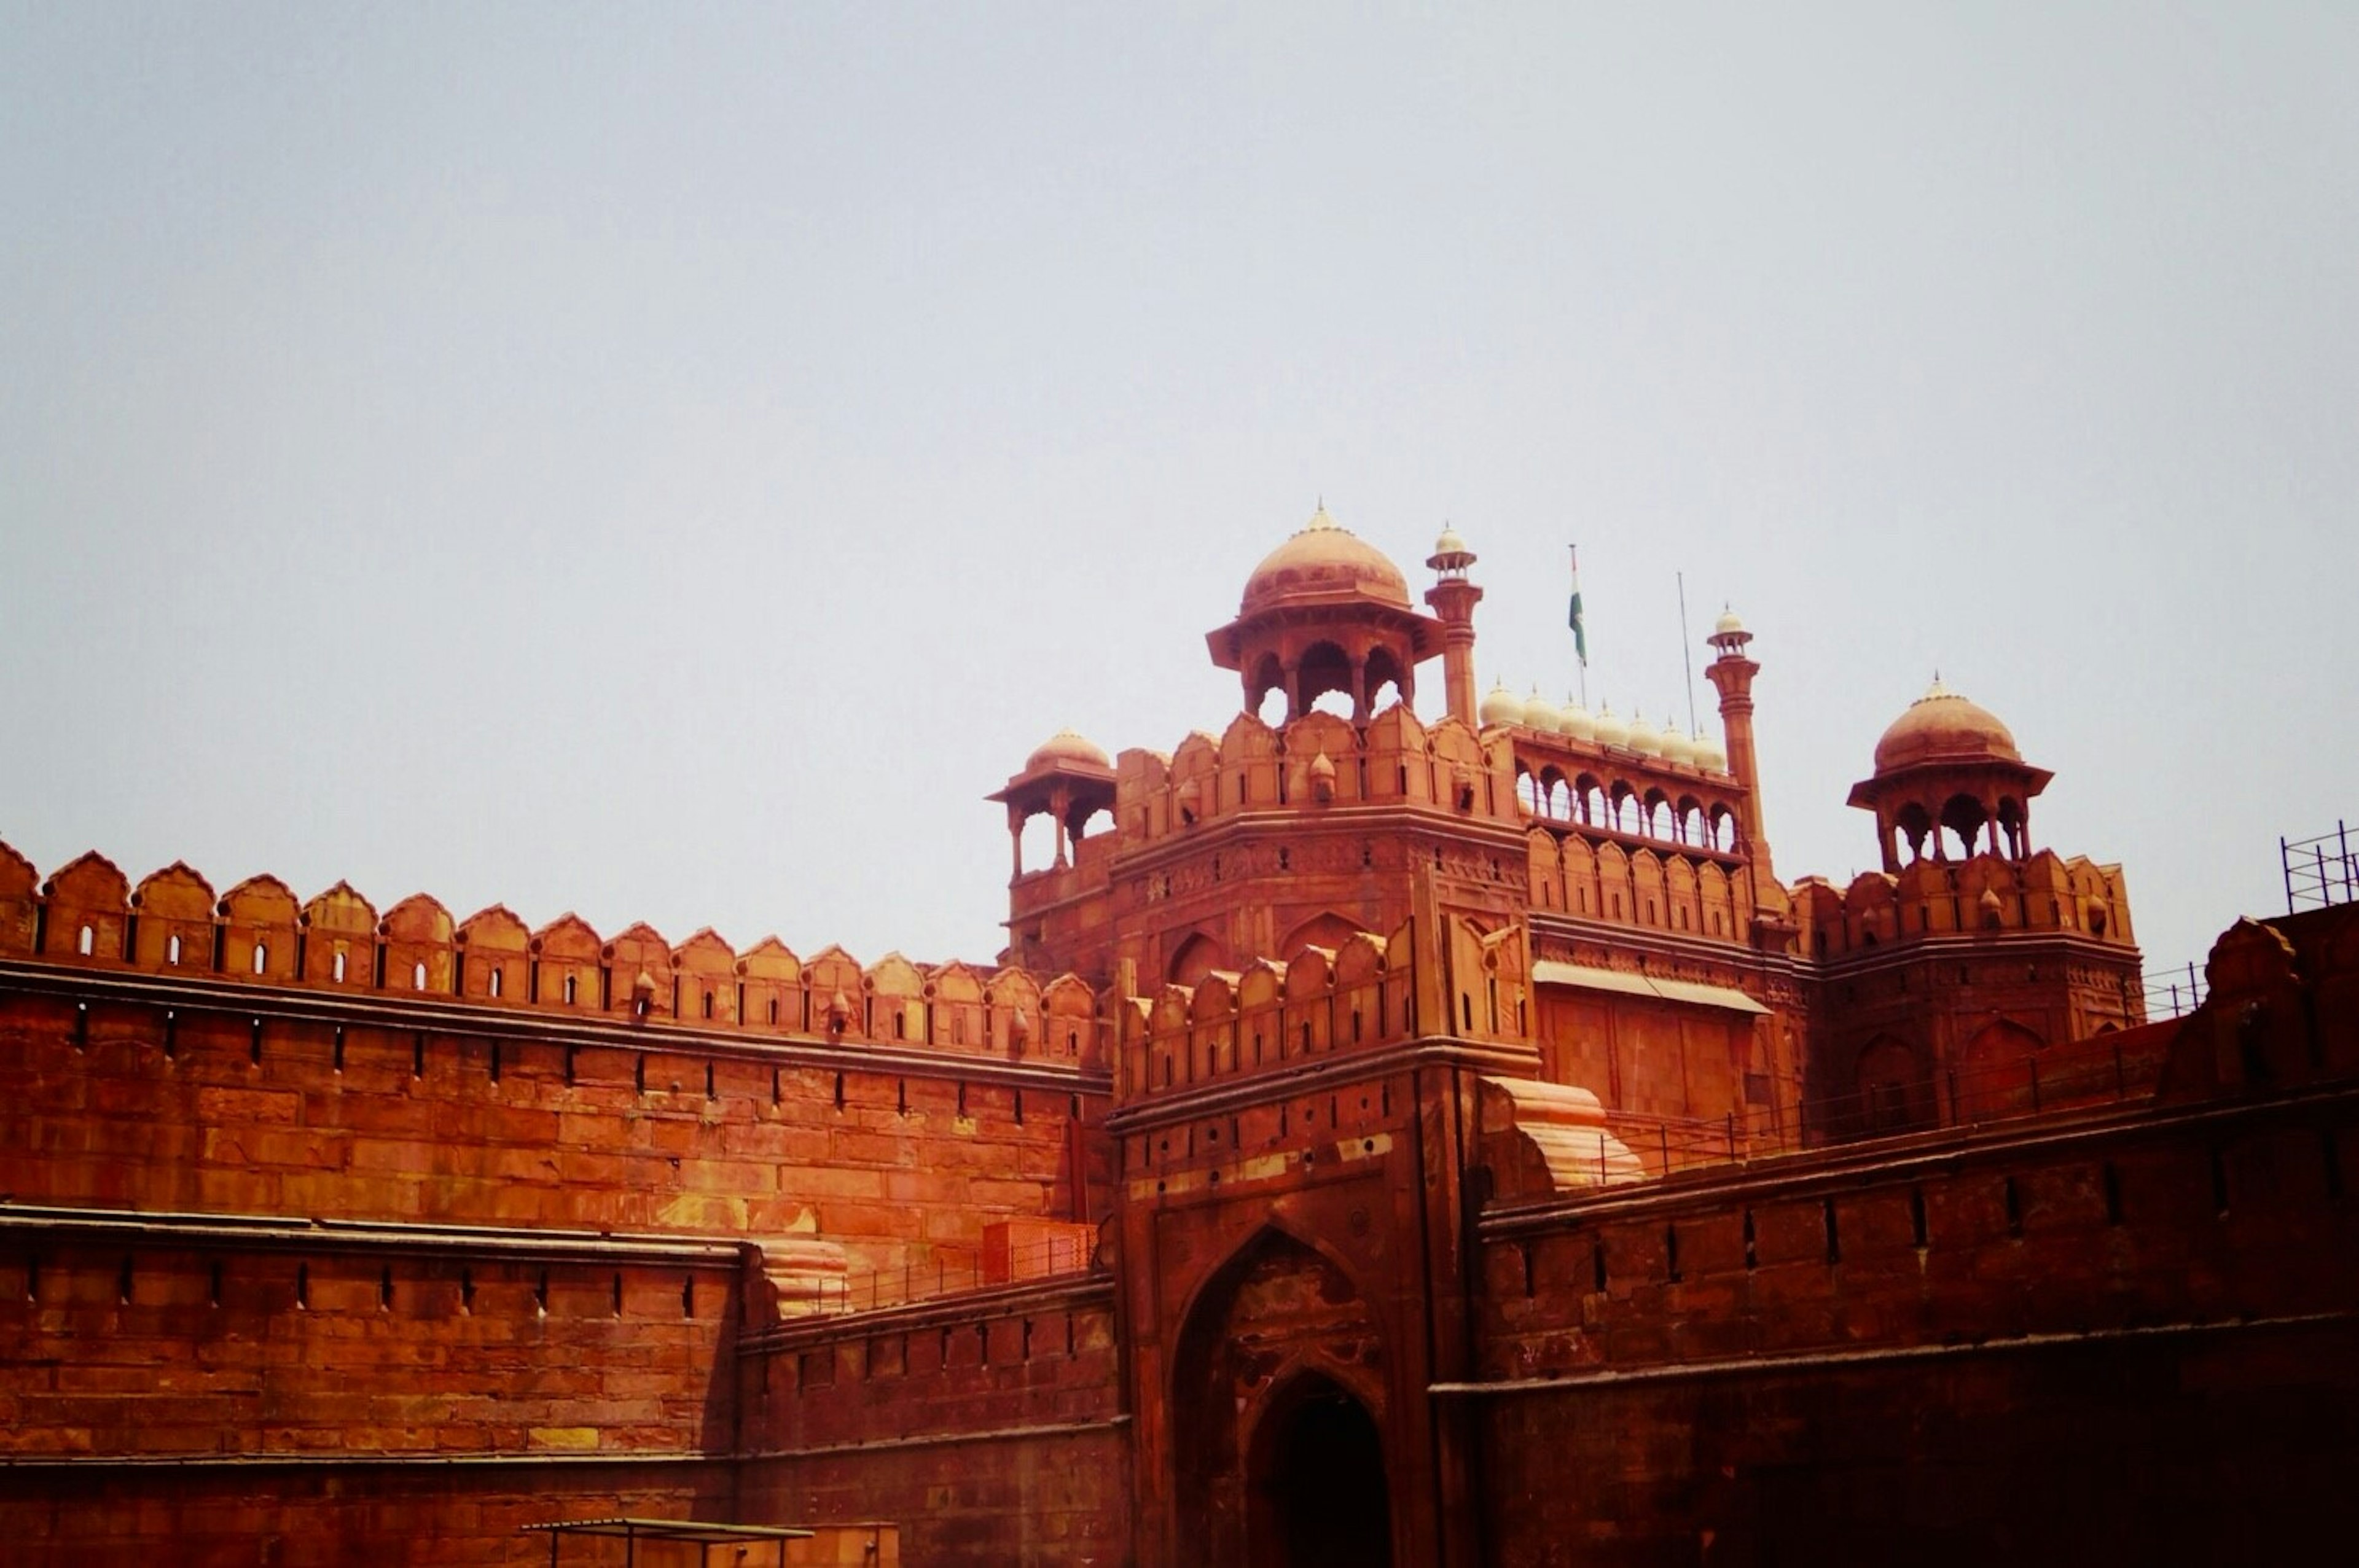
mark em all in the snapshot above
pixel 1322 563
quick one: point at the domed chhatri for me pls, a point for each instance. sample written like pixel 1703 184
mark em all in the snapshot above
pixel 1325 561
pixel 1540 713
pixel 1609 729
pixel 1502 707
pixel 1067 746
pixel 1948 776
pixel 1575 720
pixel 1944 727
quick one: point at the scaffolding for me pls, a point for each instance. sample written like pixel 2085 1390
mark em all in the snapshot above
pixel 2319 871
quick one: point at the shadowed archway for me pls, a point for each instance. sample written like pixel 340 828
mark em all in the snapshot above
pixel 1317 1496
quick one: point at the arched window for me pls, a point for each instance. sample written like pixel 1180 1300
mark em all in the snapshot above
pixel 339 966
pixel 418 977
pixel 172 951
pixel 261 956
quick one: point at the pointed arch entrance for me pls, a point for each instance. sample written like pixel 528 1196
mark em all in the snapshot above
pixel 1277 1410
pixel 1315 1492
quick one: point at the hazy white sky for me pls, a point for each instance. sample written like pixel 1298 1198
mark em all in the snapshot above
pixel 671 462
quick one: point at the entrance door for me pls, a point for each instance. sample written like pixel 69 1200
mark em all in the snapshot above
pixel 1318 1494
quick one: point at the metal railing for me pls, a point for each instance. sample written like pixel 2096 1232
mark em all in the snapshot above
pixel 947 1274
pixel 2319 872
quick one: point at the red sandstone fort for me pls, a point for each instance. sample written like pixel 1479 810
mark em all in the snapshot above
pixel 1382 1141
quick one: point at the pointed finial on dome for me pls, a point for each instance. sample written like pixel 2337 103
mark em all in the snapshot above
pixel 1937 688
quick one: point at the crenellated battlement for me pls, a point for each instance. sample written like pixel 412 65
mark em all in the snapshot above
pixel 172 923
pixel 1360 993
pixel 1394 758
pixel 2045 893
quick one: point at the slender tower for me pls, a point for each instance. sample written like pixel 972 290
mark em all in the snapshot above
pixel 1454 599
pixel 1732 673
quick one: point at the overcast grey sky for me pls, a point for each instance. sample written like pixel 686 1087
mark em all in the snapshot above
pixel 671 462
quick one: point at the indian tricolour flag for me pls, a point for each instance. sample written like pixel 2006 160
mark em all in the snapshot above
pixel 1580 636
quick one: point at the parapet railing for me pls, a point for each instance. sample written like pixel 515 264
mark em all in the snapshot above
pixel 2086 1074
pixel 2319 872
pixel 1056 1258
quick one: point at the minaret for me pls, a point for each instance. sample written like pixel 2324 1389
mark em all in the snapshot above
pixel 1454 599
pixel 1732 673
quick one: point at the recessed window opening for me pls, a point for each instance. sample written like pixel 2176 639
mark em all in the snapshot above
pixel 261 955
pixel 88 941
pixel 571 990
pixel 418 976
pixel 494 982
pixel 172 952
pixel 338 965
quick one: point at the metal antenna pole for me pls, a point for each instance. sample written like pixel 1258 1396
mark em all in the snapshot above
pixel 1687 658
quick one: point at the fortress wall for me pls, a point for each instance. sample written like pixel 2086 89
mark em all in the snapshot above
pixel 1979 1339
pixel 320 1516
pixel 116 1104
pixel 145 1347
pixel 988 1426
pixel 342 1399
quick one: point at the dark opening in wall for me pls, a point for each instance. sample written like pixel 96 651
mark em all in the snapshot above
pixel 1752 1254
pixel 1834 1236
pixel 1597 1263
pixel 2012 1199
pixel 1671 1253
pixel 1917 1216
pixel 213 1284
pixel 2113 1183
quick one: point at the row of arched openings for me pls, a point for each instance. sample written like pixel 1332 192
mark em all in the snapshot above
pixel 1590 803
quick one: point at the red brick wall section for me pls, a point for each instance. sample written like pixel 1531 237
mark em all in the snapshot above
pixel 149 1351
pixel 2029 1383
pixel 311 1517
pixel 107 1104
pixel 1053 1499
pixel 987 1427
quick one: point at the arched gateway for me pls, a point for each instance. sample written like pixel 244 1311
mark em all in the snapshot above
pixel 1276 1403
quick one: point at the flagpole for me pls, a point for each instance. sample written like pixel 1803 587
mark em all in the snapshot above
pixel 1686 658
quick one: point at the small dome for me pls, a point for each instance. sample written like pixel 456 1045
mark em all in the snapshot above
pixel 1540 713
pixel 1575 720
pixel 1325 561
pixel 1728 625
pixel 1709 756
pixel 1449 544
pixel 1500 707
pixel 1942 727
pixel 1677 747
pixel 1065 746
pixel 1643 738
pixel 1611 731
